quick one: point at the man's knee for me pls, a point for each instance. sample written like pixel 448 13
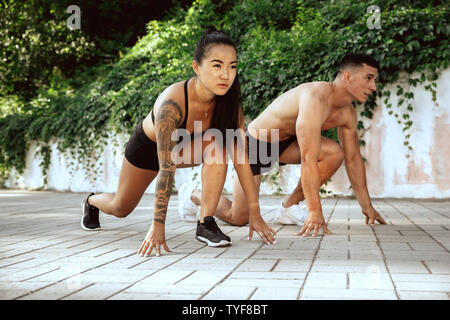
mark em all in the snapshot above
pixel 339 154
pixel 240 221
pixel 333 150
pixel 239 217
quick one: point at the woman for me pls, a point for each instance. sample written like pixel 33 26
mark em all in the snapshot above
pixel 213 97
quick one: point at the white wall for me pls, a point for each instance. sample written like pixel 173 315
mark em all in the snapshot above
pixel 425 174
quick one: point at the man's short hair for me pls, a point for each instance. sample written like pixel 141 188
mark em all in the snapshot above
pixel 357 60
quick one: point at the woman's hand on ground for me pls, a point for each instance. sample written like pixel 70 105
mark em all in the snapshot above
pixel 262 229
pixel 155 238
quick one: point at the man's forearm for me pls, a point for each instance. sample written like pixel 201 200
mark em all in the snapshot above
pixel 310 184
pixel 357 175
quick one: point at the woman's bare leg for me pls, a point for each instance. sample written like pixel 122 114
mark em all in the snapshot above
pixel 214 173
pixel 133 182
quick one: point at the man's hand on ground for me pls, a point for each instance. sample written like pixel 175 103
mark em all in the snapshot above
pixel 314 222
pixel 372 215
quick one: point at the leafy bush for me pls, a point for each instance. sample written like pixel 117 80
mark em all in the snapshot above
pixel 280 45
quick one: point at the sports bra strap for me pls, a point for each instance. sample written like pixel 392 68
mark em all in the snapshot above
pixel 183 125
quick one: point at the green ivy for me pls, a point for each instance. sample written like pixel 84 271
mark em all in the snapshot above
pixel 280 45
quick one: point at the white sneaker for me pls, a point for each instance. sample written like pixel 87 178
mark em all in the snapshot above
pixel 187 210
pixel 295 214
pixel 302 213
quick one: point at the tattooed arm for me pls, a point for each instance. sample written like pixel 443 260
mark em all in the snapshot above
pixel 168 119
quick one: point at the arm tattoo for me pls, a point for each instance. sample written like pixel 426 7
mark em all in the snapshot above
pixel 167 121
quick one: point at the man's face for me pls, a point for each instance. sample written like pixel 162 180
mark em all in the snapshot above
pixel 361 82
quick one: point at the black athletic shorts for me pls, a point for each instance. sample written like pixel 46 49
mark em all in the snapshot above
pixel 141 151
pixel 259 167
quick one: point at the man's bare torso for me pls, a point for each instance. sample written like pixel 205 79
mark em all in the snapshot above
pixel 282 113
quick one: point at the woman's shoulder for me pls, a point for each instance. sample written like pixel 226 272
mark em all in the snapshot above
pixel 173 94
pixel 174 91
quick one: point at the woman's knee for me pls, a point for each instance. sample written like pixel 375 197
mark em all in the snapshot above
pixel 122 211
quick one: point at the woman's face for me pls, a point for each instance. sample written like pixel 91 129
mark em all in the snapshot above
pixel 217 69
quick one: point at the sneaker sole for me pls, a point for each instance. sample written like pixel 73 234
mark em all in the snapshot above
pixel 82 216
pixel 222 243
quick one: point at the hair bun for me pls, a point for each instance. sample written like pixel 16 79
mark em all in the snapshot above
pixel 211 29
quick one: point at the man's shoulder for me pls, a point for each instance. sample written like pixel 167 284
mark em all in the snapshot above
pixel 350 117
pixel 319 89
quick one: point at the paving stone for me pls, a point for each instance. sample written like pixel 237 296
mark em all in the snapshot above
pixel 438 266
pixel 56 291
pixel 154 296
pixel 25 274
pixel 44 254
pixel 14 290
pixel 270 294
pixel 327 280
pixel 417 295
pixel 347 294
pixel 166 277
pixel 373 281
pixel 421 277
pixel 406 266
pixel 257 265
pixel 268 275
pixel 142 287
pixel 293 265
pixel 268 283
pixel 201 277
pixel 230 293
pixel 422 286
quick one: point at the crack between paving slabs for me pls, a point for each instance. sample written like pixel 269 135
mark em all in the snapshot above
pixel 315 253
pixel 418 226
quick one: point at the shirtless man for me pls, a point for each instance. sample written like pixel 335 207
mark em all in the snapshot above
pixel 300 115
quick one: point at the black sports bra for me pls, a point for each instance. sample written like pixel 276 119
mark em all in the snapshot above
pixel 183 125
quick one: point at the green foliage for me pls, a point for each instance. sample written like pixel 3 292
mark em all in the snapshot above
pixel 280 45
pixel 34 46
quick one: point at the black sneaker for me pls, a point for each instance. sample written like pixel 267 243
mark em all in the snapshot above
pixel 209 233
pixel 89 217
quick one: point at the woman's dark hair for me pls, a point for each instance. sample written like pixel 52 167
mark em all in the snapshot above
pixel 226 111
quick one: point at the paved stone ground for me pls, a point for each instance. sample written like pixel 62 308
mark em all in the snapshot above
pixel 44 254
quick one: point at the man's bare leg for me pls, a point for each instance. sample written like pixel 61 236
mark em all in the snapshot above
pixel 330 159
pixel 234 212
